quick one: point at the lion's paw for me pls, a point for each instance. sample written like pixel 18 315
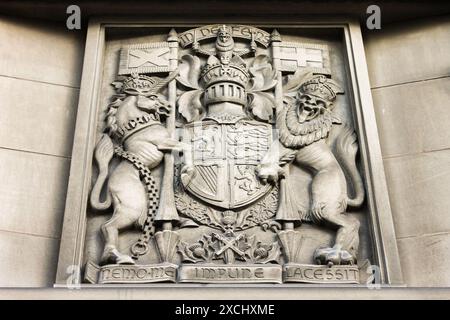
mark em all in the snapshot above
pixel 333 256
pixel 269 172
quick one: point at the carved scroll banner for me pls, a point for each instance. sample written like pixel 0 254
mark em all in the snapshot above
pixel 130 273
pixel 230 273
pixel 211 31
pixel 321 274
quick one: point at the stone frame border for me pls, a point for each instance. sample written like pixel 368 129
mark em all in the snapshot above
pixel 380 218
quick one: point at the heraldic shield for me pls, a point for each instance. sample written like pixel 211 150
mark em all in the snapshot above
pixel 225 157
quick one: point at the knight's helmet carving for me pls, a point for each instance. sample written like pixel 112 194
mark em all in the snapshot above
pixel 225 80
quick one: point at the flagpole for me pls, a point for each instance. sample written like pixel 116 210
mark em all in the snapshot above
pixel 167 210
pixel 285 206
pixel 275 39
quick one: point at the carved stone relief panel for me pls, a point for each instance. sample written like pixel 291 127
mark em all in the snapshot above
pixel 226 153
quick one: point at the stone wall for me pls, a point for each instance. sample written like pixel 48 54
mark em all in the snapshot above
pixel 40 67
pixel 409 69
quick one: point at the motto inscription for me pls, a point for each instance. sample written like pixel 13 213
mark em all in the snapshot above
pixel 321 274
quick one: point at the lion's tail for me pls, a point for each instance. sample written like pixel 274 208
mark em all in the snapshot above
pixel 104 151
pixel 346 149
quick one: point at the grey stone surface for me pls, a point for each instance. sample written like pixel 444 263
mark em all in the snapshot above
pixel 40 51
pixel 419 192
pixel 37 117
pixel 27 260
pixel 418 208
pixel 32 193
pixel 425 260
pixel 409 64
pixel 413 117
pixel 408 51
pixel 40 69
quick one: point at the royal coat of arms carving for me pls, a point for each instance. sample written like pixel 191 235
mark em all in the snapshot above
pixel 202 149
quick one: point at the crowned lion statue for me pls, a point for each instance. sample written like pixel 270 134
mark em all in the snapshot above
pixel 304 124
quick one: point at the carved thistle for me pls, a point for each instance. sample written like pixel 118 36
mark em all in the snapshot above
pixel 226 115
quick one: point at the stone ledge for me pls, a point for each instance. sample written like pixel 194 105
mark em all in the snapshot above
pixel 202 292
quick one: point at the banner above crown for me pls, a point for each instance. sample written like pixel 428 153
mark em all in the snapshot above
pixel 237 31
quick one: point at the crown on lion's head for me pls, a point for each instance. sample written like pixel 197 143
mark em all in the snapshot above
pixel 315 97
pixel 321 87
